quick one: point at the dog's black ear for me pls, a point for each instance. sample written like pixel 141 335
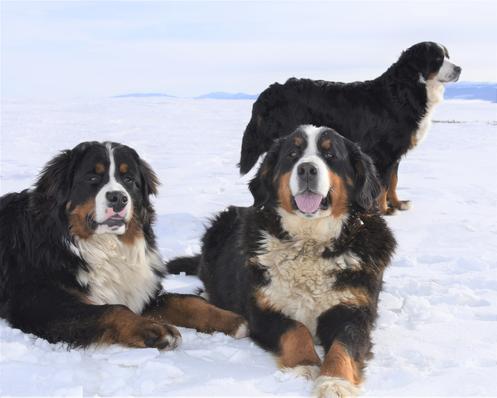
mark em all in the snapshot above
pixel 54 181
pixel 150 181
pixel 367 186
pixel 262 185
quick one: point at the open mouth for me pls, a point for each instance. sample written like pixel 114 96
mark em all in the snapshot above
pixel 113 222
pixel 309 202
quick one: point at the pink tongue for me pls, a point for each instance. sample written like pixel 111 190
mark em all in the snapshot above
pixel 308 202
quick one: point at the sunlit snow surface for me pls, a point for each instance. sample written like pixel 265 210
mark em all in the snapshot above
pixel 437 331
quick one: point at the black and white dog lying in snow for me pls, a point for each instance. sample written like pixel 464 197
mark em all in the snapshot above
pixel 78 259
pixel 386 116
pixel 306 261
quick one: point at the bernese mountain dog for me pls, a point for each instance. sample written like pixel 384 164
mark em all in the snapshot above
pixel 305 263
pixel 78 258
pixel 386 116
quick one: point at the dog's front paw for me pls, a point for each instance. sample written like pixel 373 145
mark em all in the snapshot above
pixel 310 372
pixel 334 387
pixel 155 335
pixel 242 330
pixel 404 205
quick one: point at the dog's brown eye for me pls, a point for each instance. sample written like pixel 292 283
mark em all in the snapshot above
pixel 328 155
pixel 293 154
pixel 93 179
pixel 128 179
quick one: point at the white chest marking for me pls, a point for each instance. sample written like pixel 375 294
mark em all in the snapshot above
pixel 301 285
pixel 118 273
pixel 434 93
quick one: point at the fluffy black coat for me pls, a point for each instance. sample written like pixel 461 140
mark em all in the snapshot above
pixel 381 115
pixel 49 257
pixel 236 278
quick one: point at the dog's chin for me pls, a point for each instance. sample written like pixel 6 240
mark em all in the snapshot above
pixel 106 229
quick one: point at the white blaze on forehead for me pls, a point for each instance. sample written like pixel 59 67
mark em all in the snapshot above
pixel 311 155
pixel 101 203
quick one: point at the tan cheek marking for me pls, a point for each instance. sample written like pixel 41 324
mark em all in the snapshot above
pixel 78 219
pixel 297 348
pixel 99 168
pixel 284 194
pixel 123 168
pixel 339 196
pixel 338 363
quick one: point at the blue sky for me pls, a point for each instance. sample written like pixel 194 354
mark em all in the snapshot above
pixel 85 49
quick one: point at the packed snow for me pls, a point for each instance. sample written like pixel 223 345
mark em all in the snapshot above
pixel 437 330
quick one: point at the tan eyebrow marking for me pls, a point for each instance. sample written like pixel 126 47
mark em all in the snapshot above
pixel 123 168
pixel 298 140
pixel 99 168
pixel 326 144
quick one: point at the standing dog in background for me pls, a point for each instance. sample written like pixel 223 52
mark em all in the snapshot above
pixel 386 116
pixel 306 261
pixel 78 258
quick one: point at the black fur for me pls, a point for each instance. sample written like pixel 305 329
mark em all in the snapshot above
pixel 381 115
pixel 232 274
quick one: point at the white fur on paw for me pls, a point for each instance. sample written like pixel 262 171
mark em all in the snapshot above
pixel 310 372
pixel 242 331
pixel 405 205
pixel 171 341
pixel 334 387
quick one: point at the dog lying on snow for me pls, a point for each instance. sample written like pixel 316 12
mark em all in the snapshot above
pixel 79 262
pixel 305 263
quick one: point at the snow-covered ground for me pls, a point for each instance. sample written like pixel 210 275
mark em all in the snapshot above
pixel 437 331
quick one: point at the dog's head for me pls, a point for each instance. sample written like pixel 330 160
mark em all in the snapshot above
pixel 315 172
pixel 100 188
pixel 430 61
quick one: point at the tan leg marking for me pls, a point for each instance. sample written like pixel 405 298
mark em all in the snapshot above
pixel 392 194
pixel 196 313
pixel 382 202
pixel 297 348
pixel 338 363
pixel 123 326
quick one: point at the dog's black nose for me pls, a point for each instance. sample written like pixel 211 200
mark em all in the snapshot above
pixel 307 171
pixel 457 69
pixel 117 200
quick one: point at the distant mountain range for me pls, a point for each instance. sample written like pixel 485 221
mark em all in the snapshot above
pixel 231 96
pixel 462 90
pixel 471 90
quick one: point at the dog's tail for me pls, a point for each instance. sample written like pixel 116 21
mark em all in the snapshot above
pixel 188 265
pixel 262 130
pixel 251 147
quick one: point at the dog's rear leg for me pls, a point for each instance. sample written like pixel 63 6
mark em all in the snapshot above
pixel 392 198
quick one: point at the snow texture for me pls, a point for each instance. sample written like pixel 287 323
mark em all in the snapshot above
pixel 437 330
